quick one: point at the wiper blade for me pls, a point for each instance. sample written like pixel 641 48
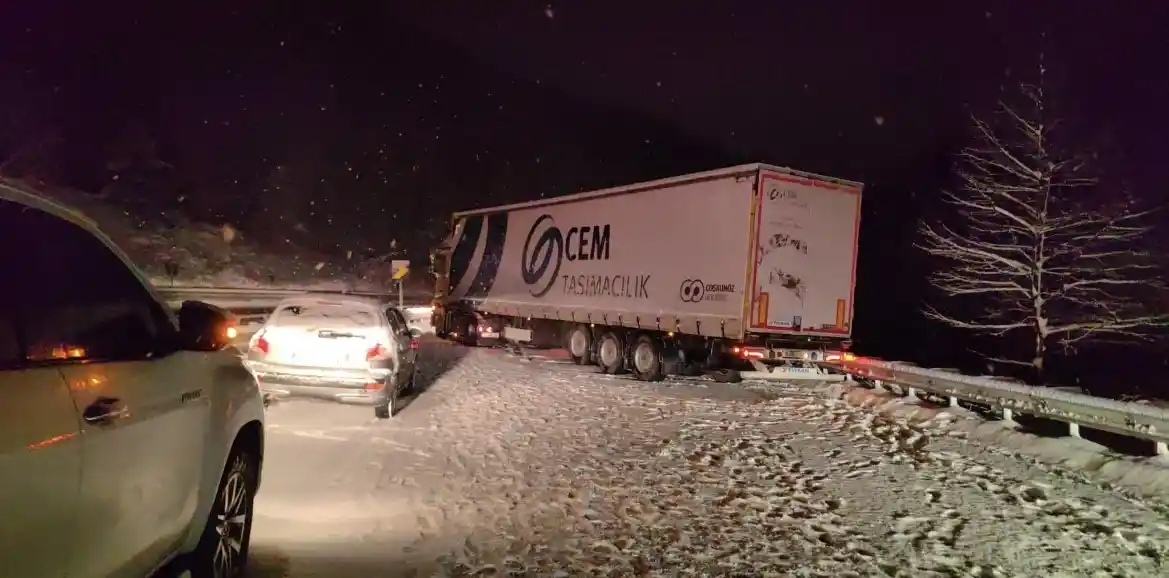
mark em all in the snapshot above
pixel 330 334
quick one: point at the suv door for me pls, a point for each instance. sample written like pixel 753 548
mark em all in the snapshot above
pixel 143 426
pixel 40 449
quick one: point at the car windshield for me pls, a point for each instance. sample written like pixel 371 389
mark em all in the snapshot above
pixel 325 313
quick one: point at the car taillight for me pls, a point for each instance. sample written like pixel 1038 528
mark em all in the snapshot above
pixel 260 343
pixel 414 343
pixel 376 352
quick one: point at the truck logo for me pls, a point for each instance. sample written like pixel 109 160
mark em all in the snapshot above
pixel 536 260
pixel 695 291
pixel 775 193
pixel 691 291
pixel 581 243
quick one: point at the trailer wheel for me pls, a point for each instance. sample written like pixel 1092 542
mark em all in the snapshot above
pixel 647 358
pixel 611 354
pixel 580 345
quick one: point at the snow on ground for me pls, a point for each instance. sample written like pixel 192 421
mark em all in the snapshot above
pixel 216 254
pixel 503 466
pixel 1146 476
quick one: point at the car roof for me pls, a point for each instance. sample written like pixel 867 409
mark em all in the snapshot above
pixel 22 194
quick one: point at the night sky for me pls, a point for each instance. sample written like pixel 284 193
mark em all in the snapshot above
pixel 374 120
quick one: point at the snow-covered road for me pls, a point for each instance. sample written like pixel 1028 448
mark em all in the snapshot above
pixel 540 468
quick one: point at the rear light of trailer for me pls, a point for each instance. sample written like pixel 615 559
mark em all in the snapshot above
pixel 839 356
pixel 749 352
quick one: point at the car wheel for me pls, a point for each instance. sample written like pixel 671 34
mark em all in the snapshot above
pixel 223 550
pixel 411 383
pixel 389 406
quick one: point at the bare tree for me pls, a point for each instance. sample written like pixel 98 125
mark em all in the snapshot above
pixel 1036 246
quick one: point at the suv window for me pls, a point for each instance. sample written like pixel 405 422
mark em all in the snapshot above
pixel 77 299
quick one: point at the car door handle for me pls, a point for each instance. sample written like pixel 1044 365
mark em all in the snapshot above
pixel 104 410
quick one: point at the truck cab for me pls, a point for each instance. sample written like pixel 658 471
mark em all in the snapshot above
pixel 440 268
pixel 454 319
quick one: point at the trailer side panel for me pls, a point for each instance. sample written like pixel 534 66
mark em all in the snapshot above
pixel 669 258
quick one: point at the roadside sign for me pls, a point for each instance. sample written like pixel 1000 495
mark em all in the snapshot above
pixel 400 268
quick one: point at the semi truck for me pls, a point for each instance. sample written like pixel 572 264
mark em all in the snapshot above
pixel 748 269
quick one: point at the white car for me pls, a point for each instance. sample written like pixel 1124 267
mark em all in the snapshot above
pixel 345 348
pixel 131 439
pixel 418 317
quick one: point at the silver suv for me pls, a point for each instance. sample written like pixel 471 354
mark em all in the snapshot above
pixel 131 438
pixel 346 348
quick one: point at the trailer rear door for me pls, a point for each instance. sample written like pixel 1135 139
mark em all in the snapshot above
pixel 805 248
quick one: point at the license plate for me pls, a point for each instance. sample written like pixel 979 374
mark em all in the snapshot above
pixel 490 334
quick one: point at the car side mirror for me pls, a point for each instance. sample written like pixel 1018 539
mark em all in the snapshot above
pixel 205 327
pixel 415 332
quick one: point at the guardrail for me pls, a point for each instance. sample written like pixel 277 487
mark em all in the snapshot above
pixel 1137 420
pixel 252 306
pixel 229 297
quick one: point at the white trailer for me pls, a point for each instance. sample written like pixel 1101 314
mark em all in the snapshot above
pixel 745 268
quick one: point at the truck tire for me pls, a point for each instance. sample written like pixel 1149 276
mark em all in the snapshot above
pixel 646 358
pixel 611 354
pixel 580 345
pixel 471 336
pixel 223 549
